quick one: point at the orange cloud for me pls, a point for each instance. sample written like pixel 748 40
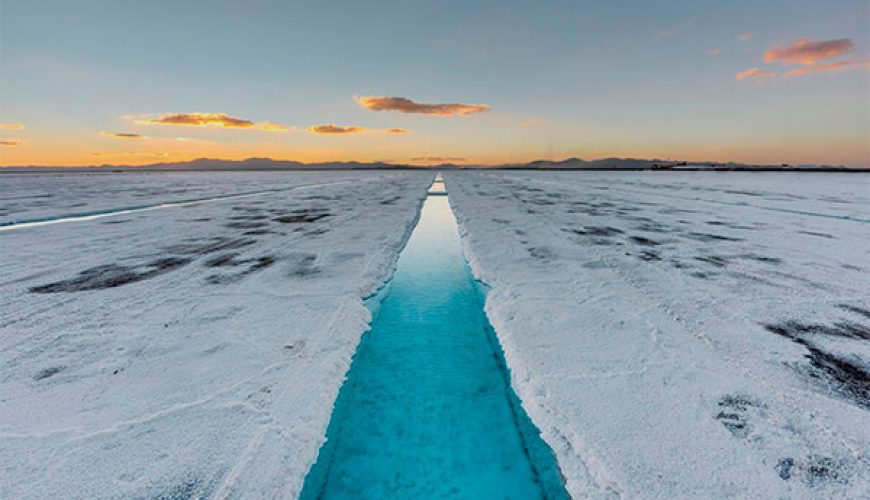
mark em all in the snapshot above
pixel 273 127
pixel 532 122
pixel 846 65
pixel 222 120
pixel 198 119
pixel 12 126
pixel 404 105
pixel 808 52
pixel 744 37
pixel 123 135
pixel 437 159
pixel 754 73
pixel 11 142
pixel 331 128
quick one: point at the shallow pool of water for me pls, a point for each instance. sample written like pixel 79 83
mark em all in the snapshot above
pixel 427 410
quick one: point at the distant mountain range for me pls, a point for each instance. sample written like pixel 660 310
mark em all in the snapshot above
pixel 258 164
pixel 641 164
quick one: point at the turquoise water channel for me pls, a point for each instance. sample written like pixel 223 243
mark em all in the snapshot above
pixel 427 410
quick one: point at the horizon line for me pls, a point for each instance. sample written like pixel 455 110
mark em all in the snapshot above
pixel 461 164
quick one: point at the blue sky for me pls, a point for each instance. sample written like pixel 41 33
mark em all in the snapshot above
pixel 587 79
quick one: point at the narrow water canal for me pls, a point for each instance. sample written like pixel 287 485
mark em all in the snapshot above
pixel 427 410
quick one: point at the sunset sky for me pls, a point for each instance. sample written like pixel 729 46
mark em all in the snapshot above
pixel 128 82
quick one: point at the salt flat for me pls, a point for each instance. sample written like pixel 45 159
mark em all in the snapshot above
pixel 683 334
pixel 191 351
pixel 671 334
pixel 33 196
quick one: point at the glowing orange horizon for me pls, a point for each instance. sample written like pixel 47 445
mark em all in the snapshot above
pixel 853 153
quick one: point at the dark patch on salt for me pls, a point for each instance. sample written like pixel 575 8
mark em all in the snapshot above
pixel 729 224
pixel 248 217
pixel 855 309
pixel 813 471
pixel 820 469
pixel 649 255
pixel 254 265
pixel 708 237
pixel 838 373
pixel 111 276
pixel 640 240
pixel 540 202
pixel 761 258
pixel 302 217
pixel 654 227
pixel 713 260
pixel 205 247
pixel 598 231
pixel 315 232
pixel 734 414
pixel 186 489
pixel 48 372
pixel 794 329
pixel 784 467
pixel 304 266
pixel 541 253
pixel 228 259
pixel 820 235
pixel 245 225
pixel 703 275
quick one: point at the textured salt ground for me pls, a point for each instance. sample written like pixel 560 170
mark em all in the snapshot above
pixel 34 196
pixel 671 334
pixel 683 334
pixel 192 351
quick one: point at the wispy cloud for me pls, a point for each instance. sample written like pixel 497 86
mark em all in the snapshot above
pixel 437 159
pixel 744 37
pixel 713 52
pixel 404 105
pixel 11 142
pixel 123 135
pixel 137 154
pixel 808 52
pixel 12 126
pixel 273 127
pixel 665 33
pixel 847 65
pixel 331 128
pixel 221 120
pixel 530 123
pixel 754 74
